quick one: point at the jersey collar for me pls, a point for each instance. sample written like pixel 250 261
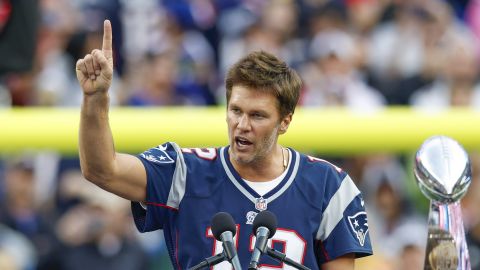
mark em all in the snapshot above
pixel 246 190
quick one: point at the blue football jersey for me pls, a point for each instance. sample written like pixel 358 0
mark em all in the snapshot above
pixel 320 211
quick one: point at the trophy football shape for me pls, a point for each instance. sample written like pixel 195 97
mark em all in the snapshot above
pixel 443 173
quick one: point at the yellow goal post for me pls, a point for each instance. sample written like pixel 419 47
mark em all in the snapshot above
pixel 333 131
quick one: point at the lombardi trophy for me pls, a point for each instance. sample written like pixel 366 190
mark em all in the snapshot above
pixel 443 173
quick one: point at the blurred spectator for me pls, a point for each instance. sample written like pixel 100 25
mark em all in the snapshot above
pixel 332 78
pixel 405 53
pixel 471 212
pixel 328 16
pixel 275 31
pixel 20 212
pixel 195 58
pixel 92 14
pixel 143 22
pixel 160 85
pixel 397 230
pixel 96 232
pixel 188 54
pixel 54 79
pixel 365 14
pixel 64 35
pixel 157 86
pixel 457 81
pixel 396 45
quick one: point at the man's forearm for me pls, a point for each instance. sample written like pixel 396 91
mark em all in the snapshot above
pixel 96 148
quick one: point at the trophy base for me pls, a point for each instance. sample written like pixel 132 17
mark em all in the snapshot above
pixel 441 250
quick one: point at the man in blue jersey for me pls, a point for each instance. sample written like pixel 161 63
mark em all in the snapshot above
pixel 322 223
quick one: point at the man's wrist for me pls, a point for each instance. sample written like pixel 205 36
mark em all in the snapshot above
pixel 96 102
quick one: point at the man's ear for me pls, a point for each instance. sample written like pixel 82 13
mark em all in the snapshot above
pixel 285 123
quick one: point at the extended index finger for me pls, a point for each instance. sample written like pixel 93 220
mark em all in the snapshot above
pixel 107 39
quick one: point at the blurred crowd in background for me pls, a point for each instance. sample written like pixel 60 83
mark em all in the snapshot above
pixel 363 55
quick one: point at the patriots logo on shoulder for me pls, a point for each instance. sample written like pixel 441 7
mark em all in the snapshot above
pixel 359 225
pixel 162 147
pixel 158 155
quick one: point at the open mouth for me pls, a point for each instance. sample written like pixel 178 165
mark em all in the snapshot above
pixel 242 142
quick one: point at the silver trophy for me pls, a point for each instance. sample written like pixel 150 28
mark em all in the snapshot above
pixel 443 173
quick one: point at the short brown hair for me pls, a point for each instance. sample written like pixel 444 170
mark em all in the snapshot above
pixel 265 72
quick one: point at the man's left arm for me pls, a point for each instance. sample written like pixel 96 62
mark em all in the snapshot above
pixel 345 262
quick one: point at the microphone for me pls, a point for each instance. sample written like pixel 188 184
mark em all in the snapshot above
pixel 264 227
pixel 224 229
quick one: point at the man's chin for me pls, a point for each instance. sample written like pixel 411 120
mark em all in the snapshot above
pixel 242 158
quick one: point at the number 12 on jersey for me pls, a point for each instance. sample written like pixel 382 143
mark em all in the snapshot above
pixel 293 246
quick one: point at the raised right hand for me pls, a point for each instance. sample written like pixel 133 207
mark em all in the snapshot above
pixel 95 70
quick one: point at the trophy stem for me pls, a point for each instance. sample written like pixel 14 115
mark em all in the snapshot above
pixel 446 247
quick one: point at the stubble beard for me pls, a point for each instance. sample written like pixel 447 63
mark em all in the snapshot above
pixel 260 152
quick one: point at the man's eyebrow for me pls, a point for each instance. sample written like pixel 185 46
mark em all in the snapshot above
pixel 259 111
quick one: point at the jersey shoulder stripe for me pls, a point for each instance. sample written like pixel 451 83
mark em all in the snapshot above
pixel 336 207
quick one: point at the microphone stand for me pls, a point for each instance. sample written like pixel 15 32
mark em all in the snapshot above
pixel 210 261
pixel 216 259
pixel 283 258
pixel 220 257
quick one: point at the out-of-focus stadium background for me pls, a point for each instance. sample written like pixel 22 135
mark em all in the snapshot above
pixel 359 60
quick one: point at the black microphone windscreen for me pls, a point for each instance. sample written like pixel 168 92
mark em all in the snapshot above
pixel 265 219
pixel 221 223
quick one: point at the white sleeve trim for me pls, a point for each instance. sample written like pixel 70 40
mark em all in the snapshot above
pixel 179 179
pixel 337 205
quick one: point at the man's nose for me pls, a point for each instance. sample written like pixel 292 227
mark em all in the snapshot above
pixel 244 122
